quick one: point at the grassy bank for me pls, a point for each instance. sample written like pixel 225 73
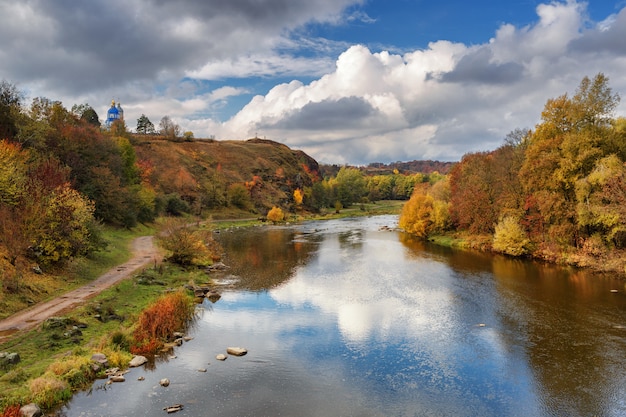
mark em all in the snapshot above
pixel 60 349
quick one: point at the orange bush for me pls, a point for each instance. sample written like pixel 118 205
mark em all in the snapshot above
pixel 168 314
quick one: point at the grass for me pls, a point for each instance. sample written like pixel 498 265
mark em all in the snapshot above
pixel 104 324
pixel 35 288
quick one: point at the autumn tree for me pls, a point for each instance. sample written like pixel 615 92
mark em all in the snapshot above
pixel 510 237
pixel 427 211
pixel 574 134
pixel 275 215
pixel 188 245
pixel 298 197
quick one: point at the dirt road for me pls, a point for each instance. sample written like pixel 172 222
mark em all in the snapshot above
pixel 144 252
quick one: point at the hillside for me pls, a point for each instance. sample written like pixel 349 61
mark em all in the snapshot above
pixel 206 173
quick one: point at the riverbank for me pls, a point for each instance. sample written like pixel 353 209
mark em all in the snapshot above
pixel 599 260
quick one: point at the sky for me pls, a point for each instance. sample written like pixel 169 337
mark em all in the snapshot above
pixel 346 81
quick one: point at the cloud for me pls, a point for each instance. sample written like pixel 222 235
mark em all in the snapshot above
pixel 443 101
pixel 478 67
pixel 195 60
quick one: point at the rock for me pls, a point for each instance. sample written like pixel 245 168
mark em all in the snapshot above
pixel 173 408
pixel 37 270
pixel 100 358
pixel 7 358
pixel 202 370
pixel 31 410
pixel 221 357
pixel 111 371
pixel 614 291
pixel 217 266
pixel 141 378
pixel 117 378
pixel 236 351
pixel 213 296
pixel 187 338
pixel 177 335
pixel 55 322
pixel 137 360
pixel 179 341
pixel 164 382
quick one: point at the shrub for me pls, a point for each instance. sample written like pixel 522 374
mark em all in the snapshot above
pixel 11 411
pixel 510 238
pixel 276 215
pixel 156 324
pixel 188 245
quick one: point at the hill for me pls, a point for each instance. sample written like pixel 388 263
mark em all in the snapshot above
pixel 207 173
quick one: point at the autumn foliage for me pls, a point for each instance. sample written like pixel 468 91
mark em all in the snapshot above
pixel 556 192
pixel 157 323
pixel 275 215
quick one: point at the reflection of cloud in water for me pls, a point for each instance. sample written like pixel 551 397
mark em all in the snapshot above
pixel 372 292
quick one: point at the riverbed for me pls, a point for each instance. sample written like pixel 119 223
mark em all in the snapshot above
pixel 352 317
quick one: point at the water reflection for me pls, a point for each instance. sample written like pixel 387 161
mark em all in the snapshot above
pixel 347 318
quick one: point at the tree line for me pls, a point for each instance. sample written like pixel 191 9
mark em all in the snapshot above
pixel 557 192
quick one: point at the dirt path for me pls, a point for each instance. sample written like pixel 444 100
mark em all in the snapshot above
pixel 144 252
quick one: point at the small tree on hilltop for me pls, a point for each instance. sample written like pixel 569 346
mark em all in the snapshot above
pixel 145 126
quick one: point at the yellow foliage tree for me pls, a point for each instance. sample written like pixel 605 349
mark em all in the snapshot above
pixel 275 215
pixel 12 172
pixel 416 215
pixel 510 238
pixel 298 197
pixel 424 213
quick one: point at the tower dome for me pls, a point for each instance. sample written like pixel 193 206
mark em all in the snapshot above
pixel 114 113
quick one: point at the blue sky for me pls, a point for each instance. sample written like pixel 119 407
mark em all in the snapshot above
pixel 347 81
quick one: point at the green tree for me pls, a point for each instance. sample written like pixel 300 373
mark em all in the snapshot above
pixel 350 186
pixel 145 126
pixel 86 113
pixel 239 196
pixel 10 106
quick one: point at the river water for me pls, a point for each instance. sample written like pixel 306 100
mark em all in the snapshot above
pixel 350 318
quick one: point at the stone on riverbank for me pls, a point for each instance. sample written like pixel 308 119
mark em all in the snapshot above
pixel 117 378
pixel 236 351
pixel 137 360
pixel 31 410
pixel 221 357
pixel 164 382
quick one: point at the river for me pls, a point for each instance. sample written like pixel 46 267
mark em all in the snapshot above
pixel 353 318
